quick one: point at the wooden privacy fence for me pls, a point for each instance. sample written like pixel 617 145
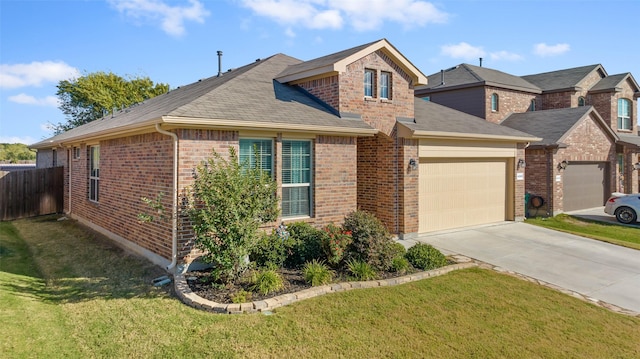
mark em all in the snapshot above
pixel 31 193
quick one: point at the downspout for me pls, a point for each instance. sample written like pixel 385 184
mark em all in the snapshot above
pixel 71 154
pixel 550 182
pixel 174 215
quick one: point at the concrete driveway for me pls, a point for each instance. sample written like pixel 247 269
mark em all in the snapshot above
pixel 592 268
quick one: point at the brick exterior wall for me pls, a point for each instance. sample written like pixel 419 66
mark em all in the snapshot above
pixel 508 102
pixel 541 170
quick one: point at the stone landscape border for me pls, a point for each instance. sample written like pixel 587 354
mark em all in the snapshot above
pixel 188 297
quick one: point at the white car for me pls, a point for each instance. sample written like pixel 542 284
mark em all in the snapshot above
pixel 625 207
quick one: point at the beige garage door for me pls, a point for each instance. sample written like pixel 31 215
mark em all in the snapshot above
pixel 585 185
pixel 461 192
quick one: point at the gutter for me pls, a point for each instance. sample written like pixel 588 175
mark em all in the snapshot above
pixel 174 214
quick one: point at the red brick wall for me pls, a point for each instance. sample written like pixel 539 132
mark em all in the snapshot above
pixel 326 89
pixel 409 184
pixel 508 102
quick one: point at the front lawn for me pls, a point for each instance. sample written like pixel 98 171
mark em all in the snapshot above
pixel 612 233
pixel 68 293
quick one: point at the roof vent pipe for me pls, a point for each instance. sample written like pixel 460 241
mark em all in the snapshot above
pixel 219 63
pixel 441 77
pixel 481 62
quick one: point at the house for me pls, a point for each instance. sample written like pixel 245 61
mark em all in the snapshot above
pixel 347 123
pixel 586 118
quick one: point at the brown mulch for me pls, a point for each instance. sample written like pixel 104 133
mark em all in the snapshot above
pixel 201 285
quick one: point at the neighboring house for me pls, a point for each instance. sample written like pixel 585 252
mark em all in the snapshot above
pixel 337 133
pixel 589 152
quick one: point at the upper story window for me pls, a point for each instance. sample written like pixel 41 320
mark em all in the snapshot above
pixel 494 102
pixel 427 98
pixel 257 153
pixel 624 114
pixel 369 81
pixel 94 173
pixel 582 101
pixel 532 106
pixel 385 85
pixel 296 178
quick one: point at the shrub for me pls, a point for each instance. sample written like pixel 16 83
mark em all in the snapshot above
pixel 425 257
pixel 266 281
pixel 361 270
pixel 227 204
pixel 303 245
pixel 334 243
pixel 400 265
pixel 372 242
pixel 241 296
pixel 317 273
pixel 270 251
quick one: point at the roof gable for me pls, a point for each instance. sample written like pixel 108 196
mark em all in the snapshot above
pixel 337 63
pixel 554 125
pixel 465 75
pixel 615 83
pixel 564 79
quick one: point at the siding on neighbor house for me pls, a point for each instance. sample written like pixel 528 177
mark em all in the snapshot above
pixel 468 100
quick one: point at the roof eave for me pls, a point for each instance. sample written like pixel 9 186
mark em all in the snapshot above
pixel 418 134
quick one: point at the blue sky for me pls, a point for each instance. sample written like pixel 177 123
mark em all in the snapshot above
pixel 175 42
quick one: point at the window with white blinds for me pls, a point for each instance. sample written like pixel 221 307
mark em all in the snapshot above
pixel 257 153
pixel 296 178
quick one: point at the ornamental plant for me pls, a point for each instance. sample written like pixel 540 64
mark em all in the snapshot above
pixel 335 243
pixel 228 202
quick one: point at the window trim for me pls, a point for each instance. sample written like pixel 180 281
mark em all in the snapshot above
pixel 369 85
pixel 495 102
pixel 624 118
pixel 582 101
pixel 309 184
pixel 94 174
pixel 76 152
pixel 385 86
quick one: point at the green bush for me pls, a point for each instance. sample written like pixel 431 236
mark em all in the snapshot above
pixel 228 202
pixel 241 296
pixel 361 270
pixel 304 244
pixel 372 242
pixel 335 242
pixel 270 251
pixel 317 273
pixel 425 257
pixel 266 281
pixel 400 265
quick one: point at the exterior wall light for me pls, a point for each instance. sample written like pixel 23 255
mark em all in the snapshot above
pixel 413 164
pixel 636 166
pixel 563 165
pixel 521 164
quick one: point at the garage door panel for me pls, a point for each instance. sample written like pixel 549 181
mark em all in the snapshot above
pixel 584 185
pixel 458 193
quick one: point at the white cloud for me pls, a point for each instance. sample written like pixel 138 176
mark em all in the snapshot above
pixel 35 74
pixel 505 55
pixel 290 33
pixel 362 15
pixel 15 139
pixel 462 51
pixel 30 100
pixel 171 18
pixel 544 50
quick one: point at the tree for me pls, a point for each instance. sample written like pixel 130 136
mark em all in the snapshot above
pixel 16 152
pixel 91 96
pixel 228 203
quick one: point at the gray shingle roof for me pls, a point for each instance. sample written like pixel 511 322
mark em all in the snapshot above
pixel 631 139
pixel 562 79
pixel 247 94
pixel 610 83
pixel 550 125
pixel 465 75
pixel 432 117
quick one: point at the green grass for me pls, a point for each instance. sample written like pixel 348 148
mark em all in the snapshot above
pixel 67 293
pixel 612 233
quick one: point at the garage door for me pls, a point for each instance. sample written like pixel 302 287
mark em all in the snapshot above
pixel 584 185
pixel 461 192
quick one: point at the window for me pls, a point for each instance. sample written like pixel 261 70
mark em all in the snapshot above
pixel 369 80
pixel 427 98
pixel 385 85
pixel 621 163
pixel 94 172
pixel 494 102
pixel 255 152
pixel 581 101
pixel 296 178
pixel 624 114
pixel 76 153
pixel 532 106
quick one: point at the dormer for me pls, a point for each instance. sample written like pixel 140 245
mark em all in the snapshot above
pixel 373 81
